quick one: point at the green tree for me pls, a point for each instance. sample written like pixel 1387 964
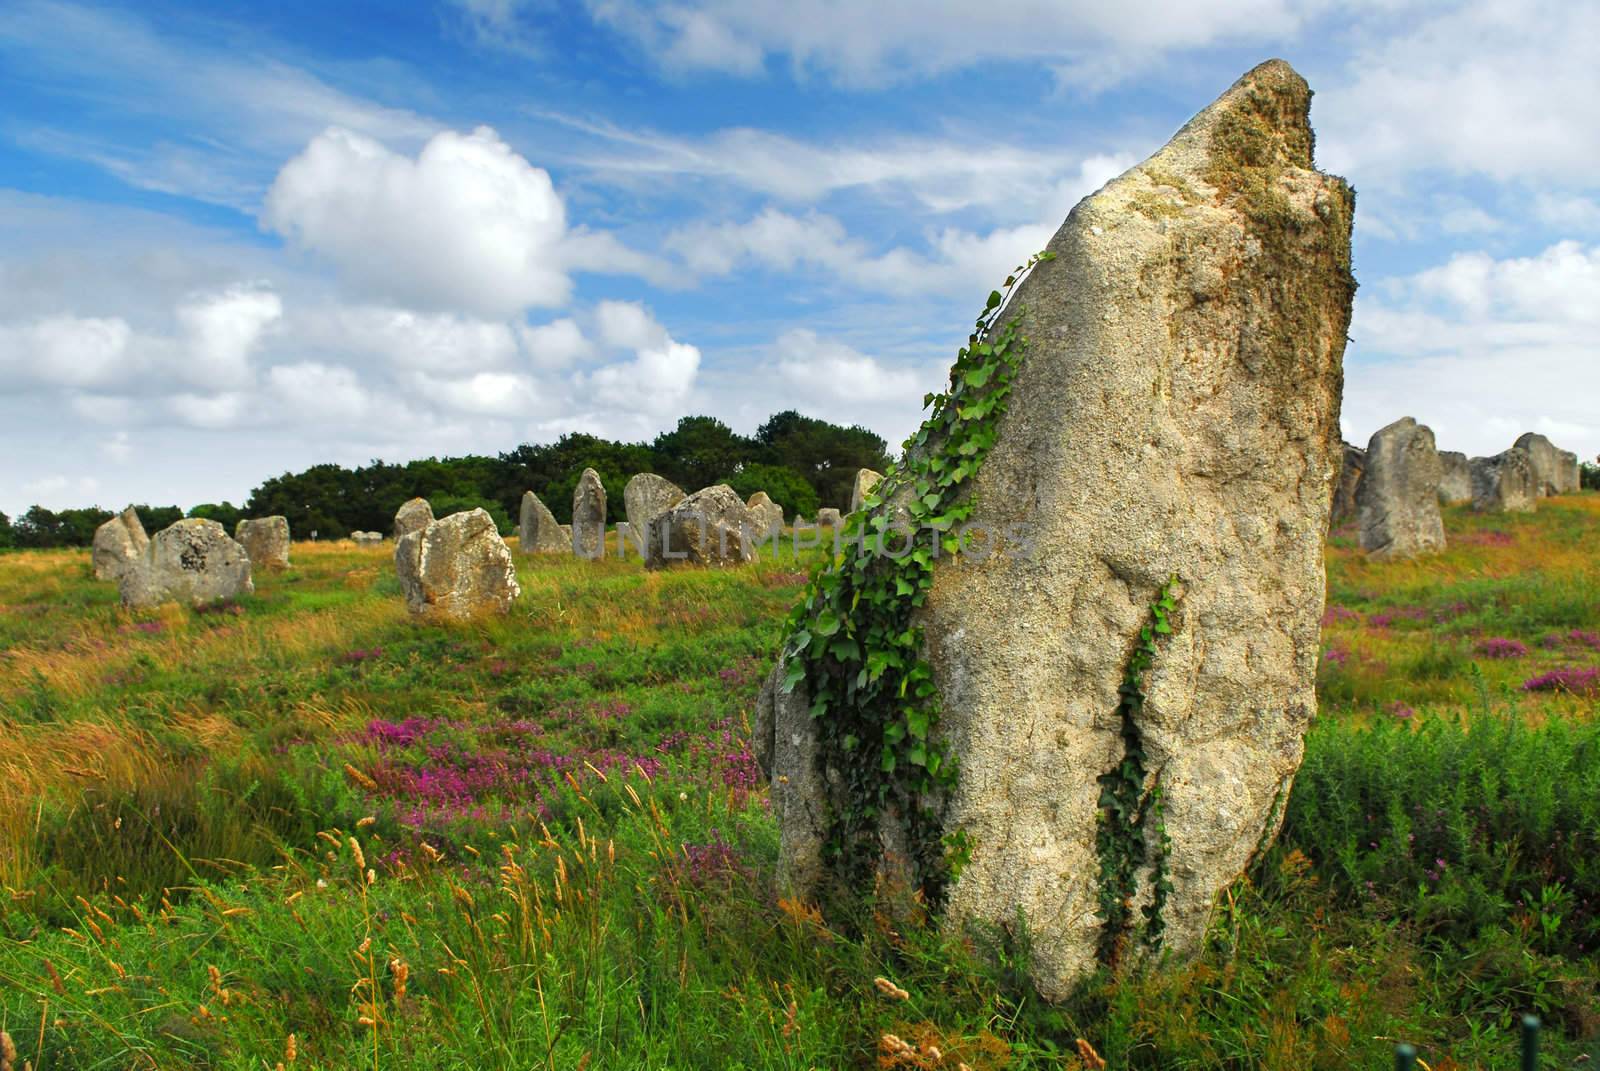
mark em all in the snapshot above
pixel 699 451
pixel 6 536
pixel 445 505
pixel 827 455
pixel 782 484
pixel 224 513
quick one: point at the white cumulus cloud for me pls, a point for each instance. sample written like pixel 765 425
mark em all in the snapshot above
pixel 467 225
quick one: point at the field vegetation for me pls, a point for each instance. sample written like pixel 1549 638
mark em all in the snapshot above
pixel 302 831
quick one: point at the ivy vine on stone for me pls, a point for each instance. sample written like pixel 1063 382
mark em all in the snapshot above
pixel 852 638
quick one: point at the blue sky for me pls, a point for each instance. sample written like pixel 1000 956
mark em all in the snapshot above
pixel 238 238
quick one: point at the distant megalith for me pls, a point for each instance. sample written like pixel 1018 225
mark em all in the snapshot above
pixel 366 539
pixel 828 517
pixel 1554 469
pixel 710 527
pixel 589 516
pixel 646 497
pixel 766 516
pixel 1455 478
pixel 193 562
pixel 265 540
pixel 414 516
pixel 1398 500
pixel 456 568
pixel 1505 483
pixel 866 480
pixel 1171 440
pixel 117 544
pixel 1353 462
pixel 539 533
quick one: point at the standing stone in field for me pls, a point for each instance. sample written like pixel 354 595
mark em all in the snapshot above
pixel 1555 469
pixel 1455 478
pixel 1352 464
pixel 589 516
pixel 266 540
pixel 539 533
pixel 1176 415
pixel 117 543
pixel 366 539
pixel 646 497
pixel 829 517
pixel 866 480
pixel 456 568
pixel 766 516
pixel 710 527
pixel 193 561
pixel 414 516
pixel 1505 483
pixel 1398 500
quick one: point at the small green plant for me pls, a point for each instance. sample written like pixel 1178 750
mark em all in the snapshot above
pixel 1127 806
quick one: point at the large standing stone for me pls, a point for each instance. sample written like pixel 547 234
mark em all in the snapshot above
pixel 866 480
pixel 414 516
pixel 1555 469
pixel 766 516
pixel 117 544
pixel 589 516
pixel 456 568
pixel 1398 500
pixel 1351 466
pixel 1455 478
pixel 539 533
pixel 1505 483
pixel 646 497
pixel 266 540
pixel 1176 415
pixel 710 527
pixel 193 561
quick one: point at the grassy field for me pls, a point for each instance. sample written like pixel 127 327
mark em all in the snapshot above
pixel 305 832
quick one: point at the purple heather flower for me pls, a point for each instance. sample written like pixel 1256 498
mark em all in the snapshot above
pixel 1500 647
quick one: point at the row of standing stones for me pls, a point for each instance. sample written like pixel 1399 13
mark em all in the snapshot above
pixel 454 567
pixel 193 560
pixel 457 567
pixel 1393 489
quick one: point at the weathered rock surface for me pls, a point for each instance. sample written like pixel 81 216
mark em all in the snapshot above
pixel 1455 478
pixel 456 568
pixel 414 516
pixel 265 540
pixel 828 517
pixel 117 544
pixel 646 497
pixel 710 527
pixel 866 480
pixel 1351 466
pixel 1505 483
pixel 1555 469
pixel 1398 500
pixel 192 561
pixel 766 516
pixel 538 532
pixel 589 516
pixel 1176 415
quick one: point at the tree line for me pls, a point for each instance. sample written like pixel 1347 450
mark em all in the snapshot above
pixel 801 462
